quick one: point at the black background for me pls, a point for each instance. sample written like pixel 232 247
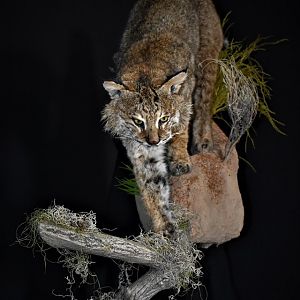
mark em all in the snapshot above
pixel 56 55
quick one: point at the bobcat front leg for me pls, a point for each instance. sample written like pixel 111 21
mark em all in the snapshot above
pixel 179 160
pixel 151 174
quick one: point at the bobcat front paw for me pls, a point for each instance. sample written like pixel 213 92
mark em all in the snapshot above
pixel 164 226
pixel 180 167
pixel 169 230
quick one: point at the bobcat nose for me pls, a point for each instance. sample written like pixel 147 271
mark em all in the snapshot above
pixel 152 140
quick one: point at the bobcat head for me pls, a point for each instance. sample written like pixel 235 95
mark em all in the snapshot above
pixel 149 116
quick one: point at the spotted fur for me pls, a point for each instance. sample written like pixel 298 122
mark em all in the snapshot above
pixel 152 177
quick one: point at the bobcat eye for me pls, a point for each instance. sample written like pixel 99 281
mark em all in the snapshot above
pixel 138 122
pixel 164 119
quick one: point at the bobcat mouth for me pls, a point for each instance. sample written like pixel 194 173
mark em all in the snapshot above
pixel 164 141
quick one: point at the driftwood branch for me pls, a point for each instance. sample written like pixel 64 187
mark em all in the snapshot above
pixel 97 243
pixel 147 286
pixel 159 277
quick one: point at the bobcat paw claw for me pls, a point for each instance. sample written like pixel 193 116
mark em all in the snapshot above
pixel 170 230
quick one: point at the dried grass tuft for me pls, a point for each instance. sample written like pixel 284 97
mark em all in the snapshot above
pixel 242 88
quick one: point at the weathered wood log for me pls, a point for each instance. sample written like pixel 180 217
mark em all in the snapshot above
pixel 147 286
pixel 97 243
pixel 161 275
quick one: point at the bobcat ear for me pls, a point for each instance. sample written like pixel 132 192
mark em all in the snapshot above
pixel 172 86
pixel 114 89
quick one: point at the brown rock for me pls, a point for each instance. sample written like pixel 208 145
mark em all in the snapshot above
pixel 211 194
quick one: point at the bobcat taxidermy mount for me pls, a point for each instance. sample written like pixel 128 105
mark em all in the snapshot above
pixel 160 88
